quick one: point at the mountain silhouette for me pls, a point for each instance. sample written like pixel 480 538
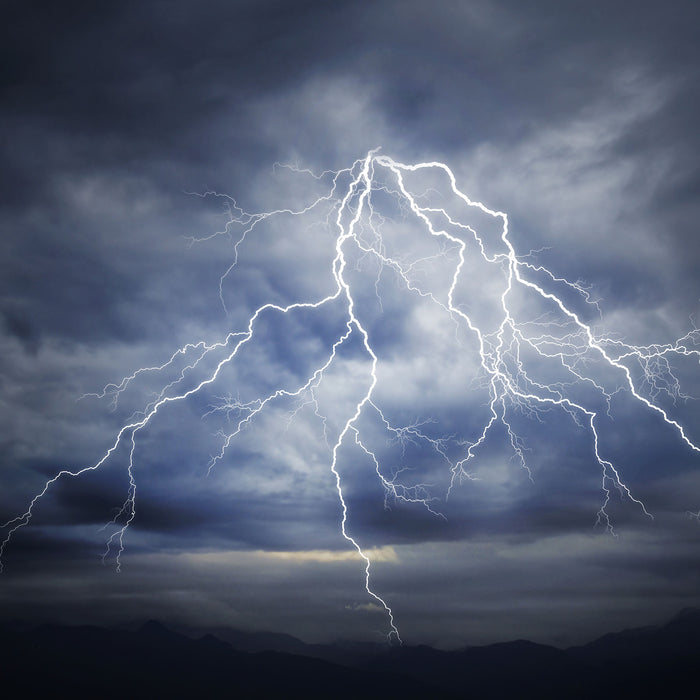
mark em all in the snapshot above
pixel 153 660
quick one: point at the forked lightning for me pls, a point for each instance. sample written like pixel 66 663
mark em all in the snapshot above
pixel 559 336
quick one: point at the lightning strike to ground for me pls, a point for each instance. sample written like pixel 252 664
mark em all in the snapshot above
pixel 509 347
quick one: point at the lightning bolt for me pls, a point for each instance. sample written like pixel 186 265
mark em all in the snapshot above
pixel 510 345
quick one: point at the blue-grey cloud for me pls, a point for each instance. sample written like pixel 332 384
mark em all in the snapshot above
pixel 578 121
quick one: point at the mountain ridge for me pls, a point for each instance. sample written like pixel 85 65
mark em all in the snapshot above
pixel 89 661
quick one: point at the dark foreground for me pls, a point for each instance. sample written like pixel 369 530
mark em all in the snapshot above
pixel 152 661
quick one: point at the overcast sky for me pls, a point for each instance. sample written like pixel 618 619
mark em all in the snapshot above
pixel 577 119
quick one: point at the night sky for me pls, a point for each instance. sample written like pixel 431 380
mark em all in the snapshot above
pixel 132 131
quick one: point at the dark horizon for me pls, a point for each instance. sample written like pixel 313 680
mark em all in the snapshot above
pixel 270 640
pixel 640 662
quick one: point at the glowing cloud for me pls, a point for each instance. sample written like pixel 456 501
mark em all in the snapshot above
pixel 523 343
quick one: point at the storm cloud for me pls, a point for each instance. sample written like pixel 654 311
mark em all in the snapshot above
pixel 130 127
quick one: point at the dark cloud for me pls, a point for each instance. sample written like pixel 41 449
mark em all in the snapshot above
pixel 579 120
pixel 24 330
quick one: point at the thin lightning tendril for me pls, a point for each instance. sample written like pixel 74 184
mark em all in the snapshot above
pixel 560 337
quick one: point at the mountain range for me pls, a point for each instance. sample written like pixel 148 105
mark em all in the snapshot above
pixel 151 660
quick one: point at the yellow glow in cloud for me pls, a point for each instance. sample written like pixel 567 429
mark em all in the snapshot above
pixel 387 554
pixel 326 556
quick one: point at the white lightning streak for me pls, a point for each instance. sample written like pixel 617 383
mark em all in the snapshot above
pixel 561 338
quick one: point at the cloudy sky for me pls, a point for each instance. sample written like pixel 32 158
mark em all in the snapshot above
pixel 135 133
